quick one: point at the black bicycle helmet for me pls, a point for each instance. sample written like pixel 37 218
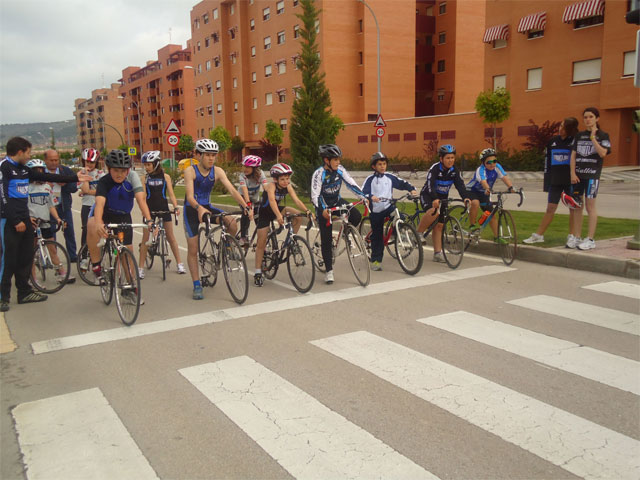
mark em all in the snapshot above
pixel 118 159
pixel 378 156
pixel 446 149
pixel 329 151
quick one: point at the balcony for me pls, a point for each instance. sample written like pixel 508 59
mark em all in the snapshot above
pixel 425 24
pixel 424 82
pixel 425 53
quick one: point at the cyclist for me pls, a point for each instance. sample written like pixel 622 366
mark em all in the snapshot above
pixel 158 186
pixel 479 189
pixel 325 193
pixel 557 176
pixel 270 209
pixel 587 156
pixel 440 178
pixel 199 181
pixel 251 179
pixel 376 186
pixel 90 166
pixel 42 207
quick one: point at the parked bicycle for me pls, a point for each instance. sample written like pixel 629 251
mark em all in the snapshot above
pixel 506 238
pixel 222 253
pixel 50 270
pixel 159 246
pixel 353 243
pixel 294 250
pixel 399 236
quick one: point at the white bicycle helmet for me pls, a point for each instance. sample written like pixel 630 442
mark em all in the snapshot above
pixel 280 169
pixel 486 153
pixel 36 163
pixel 206 145
pixel 151 156
pixel 252 161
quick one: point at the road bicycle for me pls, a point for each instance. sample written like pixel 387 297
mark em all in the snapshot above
pixel 507 238
pixel 159 246
pixel 223 253
pixel 49 275
pixel 294 250
pixel 399 237
pixel 252 240
pixel 120 272
pixel 346 238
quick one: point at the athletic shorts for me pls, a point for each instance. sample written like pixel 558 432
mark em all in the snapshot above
pixel 47 232
pixel 555 193
pixel 426 202
pixel 117 218
pixel 191 221
pixel 587 187
pixel 266 216
pixel 482 197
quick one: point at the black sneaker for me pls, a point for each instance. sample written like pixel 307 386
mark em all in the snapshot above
pixel 32 298
pixel 4 306
pixel 258 280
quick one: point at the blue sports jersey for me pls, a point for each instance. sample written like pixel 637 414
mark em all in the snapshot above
pixel 490 176
pixel 202 186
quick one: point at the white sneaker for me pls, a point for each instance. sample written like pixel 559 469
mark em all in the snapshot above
pixel 141 273
pixel 534 238
pixel 438 257
pixel 84 264
pixel 328 277
pixel 587 244
pixel 181 269
pixel 572 242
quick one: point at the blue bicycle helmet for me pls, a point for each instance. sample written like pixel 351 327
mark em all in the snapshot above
pixel 446 149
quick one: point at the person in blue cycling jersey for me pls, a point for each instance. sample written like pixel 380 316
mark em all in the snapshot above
pixel 325 193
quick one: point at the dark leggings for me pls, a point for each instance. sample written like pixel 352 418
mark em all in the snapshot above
pixel 325 233
pixel 84 215
pixel 17 258
pixel 245 222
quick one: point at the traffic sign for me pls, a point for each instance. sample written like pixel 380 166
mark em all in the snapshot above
pixel 379 132
pixel 173 140
pixel 132 150
pixel 380 121
pixel 172 128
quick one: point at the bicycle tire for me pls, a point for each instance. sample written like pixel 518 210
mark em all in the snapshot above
pixel 356 251
pixel 270 258
pixel 390 246
pixel 408 247
pixel 162 243
pixel 207 258
pixel 106 286
pixel 234 268
pixel 86 272
pixel 452 241
pixel 507 231
pixel 300 265
pixel 365 232
pixel 461 214
pixel 127 287
pixel 44 274
pixel 315 244
pixel 151 253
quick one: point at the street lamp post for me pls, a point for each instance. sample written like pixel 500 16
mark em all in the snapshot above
pixel 101 120
pixel 378 32
pixel 139 124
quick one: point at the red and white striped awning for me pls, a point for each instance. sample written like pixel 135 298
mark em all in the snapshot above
pixel 495 33
pixel 536 21
pixel 578 11
pixel 280 90
pixel 281 60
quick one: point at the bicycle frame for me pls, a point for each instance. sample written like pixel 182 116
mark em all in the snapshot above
pixel 344 219
pixel 498 206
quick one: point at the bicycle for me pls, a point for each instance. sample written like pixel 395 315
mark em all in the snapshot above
pixel 120 273
pixel 159 246
pixel 353 244
pixel 399 234
pixel 507 236
pixel 46 275
pixel 294 250
pixel 252 240
pixel 225 254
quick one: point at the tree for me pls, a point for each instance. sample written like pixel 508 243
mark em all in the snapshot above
pixel 494 107
pixel 222 137
pixel 237 146
pixel 273 135
pixel 186 144
pixel 537 140
pixel 53 139
pixel 124 147
pixel 312 122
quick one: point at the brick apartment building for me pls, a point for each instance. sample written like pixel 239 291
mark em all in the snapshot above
pixel 104 105
pixel 155 94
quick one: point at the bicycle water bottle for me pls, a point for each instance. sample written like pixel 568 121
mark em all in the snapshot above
pixel 484 217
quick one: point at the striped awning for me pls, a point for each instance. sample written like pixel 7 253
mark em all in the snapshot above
pixel 578 11
pixel 536 21
pixel 280 90
pixel 281 60
pixel 495 33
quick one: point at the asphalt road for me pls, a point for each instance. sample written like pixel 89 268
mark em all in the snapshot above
pixel 388 381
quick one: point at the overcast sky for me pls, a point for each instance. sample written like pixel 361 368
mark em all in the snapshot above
pixel 53 52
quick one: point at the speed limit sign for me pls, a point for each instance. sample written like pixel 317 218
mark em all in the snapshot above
pixel 173 140
pixel 379 132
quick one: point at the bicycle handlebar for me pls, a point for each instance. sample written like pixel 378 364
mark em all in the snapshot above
pixel 126 225
pixel 518 192
pixel 346 206
pixel 164 212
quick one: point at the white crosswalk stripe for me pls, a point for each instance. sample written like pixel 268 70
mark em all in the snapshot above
pixel 623 289
pixel 306 438
pixel 590 363
pixel 582 312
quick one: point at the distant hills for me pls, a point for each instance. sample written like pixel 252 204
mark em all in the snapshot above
pixel 39 134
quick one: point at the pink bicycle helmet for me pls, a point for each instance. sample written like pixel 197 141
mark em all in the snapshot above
pixel 570 202
pixel 280 169
pixel 251 161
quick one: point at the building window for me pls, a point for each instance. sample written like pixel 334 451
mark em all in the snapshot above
pixel 280 7
pixel 282 68
pixel 586 71
pixel 361 89
pixel 207 42
pixel 282 96
pixel 440 96
pixel 215 37
pixel 268 99
pixel 235 106
pixel 205 18
pixel 235 82
pixel 209 110
pixel 429 11
pixel 252 24
pixel 216 61
pixel 296 31
pixel 317 25
pixel 266 14
pixel 440 66
pixel 295 3
pixel 219 108
pixel 628 63
pixel 588 22
pixel 215 13
pixel 198 46
pixel 535 34
pixel 499 81
pixel 237 130
pixel 253 50
pixel 218 84
pixel 442 38
pixel 267 43
pixel 534 79
pixel 199 68
pixel 208 65
pixel 267 70
pixel 428 67
pixel 208 88
pixel 232 9
pixel 360 26
pixel 281 37
pixel 442 8
pixel 283 123
pixel 255 128
pixel 234 59
pixel 360 62
pixel 196 23
pixel 499 43
pixel 255 103
pixel 253 77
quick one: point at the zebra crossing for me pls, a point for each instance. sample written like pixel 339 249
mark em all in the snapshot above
pixel 309 440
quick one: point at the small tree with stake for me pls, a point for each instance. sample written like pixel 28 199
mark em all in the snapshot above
pixel 494 107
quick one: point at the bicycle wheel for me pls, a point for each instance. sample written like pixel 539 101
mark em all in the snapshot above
pixel 315 243
pixel 507 237
pixel 408 248
pixel 106 286
pixel 207 258
pixel 390 246
pixel 234 268
pixel 365 232
pixel 452 242
pixel 127 287
pixel 462 215
pixel 151 253
pixel 45 275
pixel 162 244
pixel 270 259
pixel 300 264
pixel 357 255
pixel 85 272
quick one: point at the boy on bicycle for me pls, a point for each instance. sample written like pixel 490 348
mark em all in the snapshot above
pixel 325 193
pixel 199 181
pixel 270 209
pixel 377 186
pixel 480 186
pixel 440 178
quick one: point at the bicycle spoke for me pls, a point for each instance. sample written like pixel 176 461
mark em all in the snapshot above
pixel 408 248
pixel 234 268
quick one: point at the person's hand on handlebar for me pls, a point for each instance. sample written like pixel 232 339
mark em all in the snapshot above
pixel 201 212
pixel 374 199
pixel 467 201
pixel 326 214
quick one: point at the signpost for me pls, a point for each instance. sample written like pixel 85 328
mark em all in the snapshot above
pixel 173 131
pixel 379 132
pixel 132 151
pixel 379 126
